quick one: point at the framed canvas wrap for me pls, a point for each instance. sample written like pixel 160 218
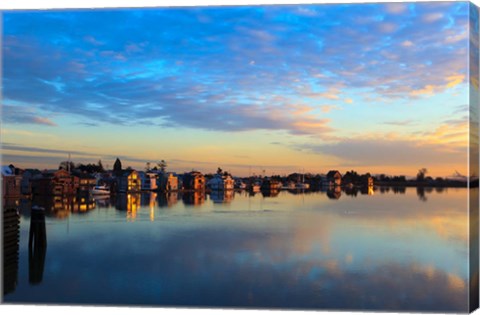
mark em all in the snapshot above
pixel 291 157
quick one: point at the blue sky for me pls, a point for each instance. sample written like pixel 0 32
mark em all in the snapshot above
pixel 377 87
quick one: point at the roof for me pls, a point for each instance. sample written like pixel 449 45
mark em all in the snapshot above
pixel 193 174
pixel 332 173
pixel 84 175
pixel 7 170
pixel 128 172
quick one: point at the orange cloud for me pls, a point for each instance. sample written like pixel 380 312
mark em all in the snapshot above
pixel 329 108
pixel 454 80
pixel 430 89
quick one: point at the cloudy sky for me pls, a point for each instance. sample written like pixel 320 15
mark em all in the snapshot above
pixel 372 87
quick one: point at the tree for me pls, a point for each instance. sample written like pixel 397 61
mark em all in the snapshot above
pixel 162 165
pixel 421 174
pixel 66 165
pixel 117 167
pixel 100 167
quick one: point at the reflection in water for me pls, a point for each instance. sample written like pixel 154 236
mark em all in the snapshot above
pixel 293 251
pixel 104 201
pixel 474 246
pixel 56 206
pixel 82 203
pixel 335 193
pixel 129 202
pixel 384 189
pixel 222 196
pixel 269 193
pixel 193 198
pixel 11 236
pixel 60 207
pixel 421 193
pixel 167 199
pixel 37 246
pixel 152 204
pixel 401 190
pixel 351 191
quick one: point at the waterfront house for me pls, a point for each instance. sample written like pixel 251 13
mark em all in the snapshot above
pixel 11 182
pixel 239 184
pixel 221 182
pixel 148 180
pixel 334 178
pixel 167 181
pixel 317 182
pixel 56 183
pixel 271 184
pixel 194 181
pixel 367 180
pixel 26 182
pixel 86 182
pixel 128 181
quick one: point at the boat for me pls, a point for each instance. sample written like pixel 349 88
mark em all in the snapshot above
pixel 101 190
pixel 302 186
pixel 271 184
pixel 240 185
pixel 38 208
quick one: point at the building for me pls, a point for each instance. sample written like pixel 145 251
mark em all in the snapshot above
pixel 128 181
pixel 271 184
pixel 221 182
pixel 167 181
pixel 11 246
pixel 194 181
pixel 55 183
pixel 26 183
pixel 86 183
pixel 367 180
pixel 148 180
pixel 11 182
pixel 334 178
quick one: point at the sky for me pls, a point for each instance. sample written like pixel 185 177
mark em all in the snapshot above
pixel 379 88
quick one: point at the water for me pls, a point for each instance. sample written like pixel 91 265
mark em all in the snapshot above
pixel 393 250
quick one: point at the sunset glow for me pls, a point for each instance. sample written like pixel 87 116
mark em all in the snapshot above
pixel 379 88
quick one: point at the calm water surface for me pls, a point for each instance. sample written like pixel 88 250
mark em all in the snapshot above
pixel 393 250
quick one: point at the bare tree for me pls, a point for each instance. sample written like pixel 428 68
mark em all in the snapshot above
pixel 162 165
pixel 421 174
